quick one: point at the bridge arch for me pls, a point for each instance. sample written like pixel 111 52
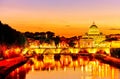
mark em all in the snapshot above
pixel 83 51
pixel 30 52
pixel 66 59
pixel 48 55
pixel 48 51
pixel 65 51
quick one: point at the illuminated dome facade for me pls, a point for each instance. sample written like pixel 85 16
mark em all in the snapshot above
pixel 92 38
pixel 93 29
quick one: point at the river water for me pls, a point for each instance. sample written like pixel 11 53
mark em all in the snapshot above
pixel 83 68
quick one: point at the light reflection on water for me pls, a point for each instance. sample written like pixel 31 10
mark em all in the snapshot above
pixel 79 69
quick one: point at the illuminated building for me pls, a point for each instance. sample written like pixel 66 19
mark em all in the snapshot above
pixel 115 44
pixel 117 36
pixel 92 42
pixel 93 38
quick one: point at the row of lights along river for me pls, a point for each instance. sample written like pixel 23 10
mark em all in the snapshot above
pixel 64 66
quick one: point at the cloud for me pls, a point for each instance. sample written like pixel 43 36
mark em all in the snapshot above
pixel 114 29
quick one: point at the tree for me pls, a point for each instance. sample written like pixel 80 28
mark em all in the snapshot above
pixel 42 37
pixel 115 52
pixel 9 36
pixel 50 34
pixel 36 35
pixel 57 41
pixel 71 41
pixel 29 34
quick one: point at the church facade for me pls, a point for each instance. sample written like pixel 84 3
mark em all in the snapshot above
pixel 93 38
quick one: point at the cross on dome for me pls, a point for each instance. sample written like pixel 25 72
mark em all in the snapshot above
pixel 93 23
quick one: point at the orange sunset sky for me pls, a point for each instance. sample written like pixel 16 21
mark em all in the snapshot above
pixel 64 17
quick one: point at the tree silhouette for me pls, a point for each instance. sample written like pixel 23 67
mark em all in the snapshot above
pixel 42 37
pixel 29 34
pixel 50 37
pixel 71 41
pixel 115 52
pixel 50 34
pixel 10 36
pixel 57 41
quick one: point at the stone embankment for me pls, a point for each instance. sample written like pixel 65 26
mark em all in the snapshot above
pixel 109 60
pixel 8 65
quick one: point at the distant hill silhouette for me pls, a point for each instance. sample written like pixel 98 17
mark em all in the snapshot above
pixel 10 36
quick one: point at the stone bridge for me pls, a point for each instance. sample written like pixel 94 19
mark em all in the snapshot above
pixel 65 50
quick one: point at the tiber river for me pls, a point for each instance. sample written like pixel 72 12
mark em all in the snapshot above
pixel 83 68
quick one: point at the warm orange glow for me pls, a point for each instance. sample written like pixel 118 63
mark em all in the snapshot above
pixel 115 44
pixel 96 68
pixel 92 50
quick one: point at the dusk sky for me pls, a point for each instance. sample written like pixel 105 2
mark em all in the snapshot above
pixel 64 17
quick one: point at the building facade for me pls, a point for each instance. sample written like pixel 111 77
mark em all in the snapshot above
pixel 93 38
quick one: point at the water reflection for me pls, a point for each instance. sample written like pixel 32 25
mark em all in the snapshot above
pixel 82 68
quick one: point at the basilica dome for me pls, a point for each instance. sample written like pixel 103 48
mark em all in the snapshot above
pixel 93 29
pixel 92 38
pixel 93 26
